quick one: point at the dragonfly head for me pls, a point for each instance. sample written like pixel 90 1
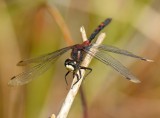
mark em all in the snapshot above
pixel 70 64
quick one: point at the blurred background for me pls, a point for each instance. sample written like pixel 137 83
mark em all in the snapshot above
pixel 31 28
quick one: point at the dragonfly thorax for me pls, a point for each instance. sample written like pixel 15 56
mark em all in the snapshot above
pixel 70 64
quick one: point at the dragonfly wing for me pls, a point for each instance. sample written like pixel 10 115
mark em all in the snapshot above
pixel 118 51
pixel 30 74
pixel 46 61
pixel 45 57
pixel 109 60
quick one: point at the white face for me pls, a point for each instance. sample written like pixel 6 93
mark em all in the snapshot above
pixel 70 67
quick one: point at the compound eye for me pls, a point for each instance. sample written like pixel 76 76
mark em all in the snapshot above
pixel 67 61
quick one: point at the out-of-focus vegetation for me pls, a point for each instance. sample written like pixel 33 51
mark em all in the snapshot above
pixel 29 29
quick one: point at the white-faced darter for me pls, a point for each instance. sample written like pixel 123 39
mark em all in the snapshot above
pixel 73 64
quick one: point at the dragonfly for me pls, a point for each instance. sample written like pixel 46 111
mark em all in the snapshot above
pixel 73 64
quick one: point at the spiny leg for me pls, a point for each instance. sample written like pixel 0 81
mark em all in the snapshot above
pixel 66 76
pixel 86 68
pixel 75 74
pixel 80 74
pixel 78 78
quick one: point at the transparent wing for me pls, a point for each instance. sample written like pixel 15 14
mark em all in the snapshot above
pixel 45 57
pixel 30 74
pixel 118 51
pixel 109 60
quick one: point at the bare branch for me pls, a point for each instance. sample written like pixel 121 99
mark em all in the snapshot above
pixel 73 91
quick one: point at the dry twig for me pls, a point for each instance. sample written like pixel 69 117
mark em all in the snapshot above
pixel 73 91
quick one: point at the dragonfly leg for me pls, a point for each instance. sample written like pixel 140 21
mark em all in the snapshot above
pixel 75 74
pixel 66 77
pixel 80 75
pixel 86 68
